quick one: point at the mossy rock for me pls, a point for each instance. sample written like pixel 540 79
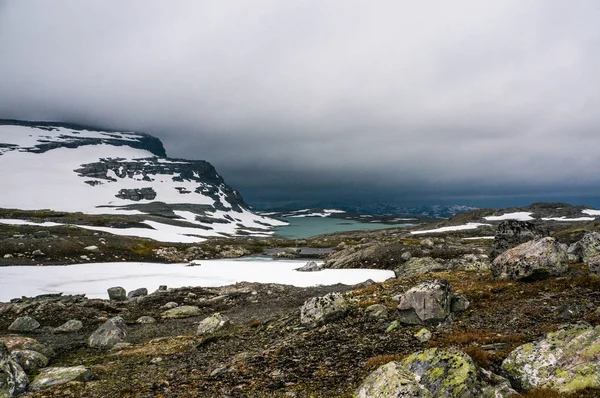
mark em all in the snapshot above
pixel 566 360
pixel 390 381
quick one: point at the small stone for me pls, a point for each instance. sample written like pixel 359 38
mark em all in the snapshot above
pixel 38 253
pixel 376 311
pixel 84 257
pixel 212 324
pixel 117 293
pixel 145 320
pixel 8 255
pixel 170 305
pixel 24 324
pixel 41 234
pixel 392 326
pixel 319 310
pixel 93 249
pixel 156 360
pixel 142 291
pixel 183 311
pixel 423 335
pixel 459 303
pixel 71 326
pixel 113 331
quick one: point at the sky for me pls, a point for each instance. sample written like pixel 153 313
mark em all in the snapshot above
pixel 469 101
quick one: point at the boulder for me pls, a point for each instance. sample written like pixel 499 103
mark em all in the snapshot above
pixel 427 303
pixel 533 260
pixel 70 326
pixel 93 249
pixel 319 310
pixel 30 361
pixel 511 233
pixel 594 265
pixel 17 380
pixel 112 332
pixel 470 262
pixel 142 291
pixel 459 303
pixel 24 324
pixel 566 360
pixel 418 265
pixel 145 320
pixel 310 266
pixel 586 248
pixel 376 311
pixel 184 311
pixel 169 306
pixel 26 343
pixel 452 373
pixel 55 376
pixel 117 293
pixel 389 381
pixel 212 324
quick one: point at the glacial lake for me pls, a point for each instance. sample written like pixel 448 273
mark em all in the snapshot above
pixel 305 227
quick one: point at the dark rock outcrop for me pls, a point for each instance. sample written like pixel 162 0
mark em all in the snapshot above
pixel 511 233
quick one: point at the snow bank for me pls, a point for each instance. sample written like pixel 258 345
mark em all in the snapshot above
pixel 94 279
pixel 471 225
pixel 519 216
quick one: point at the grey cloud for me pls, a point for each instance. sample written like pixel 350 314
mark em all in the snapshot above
pixel 427 99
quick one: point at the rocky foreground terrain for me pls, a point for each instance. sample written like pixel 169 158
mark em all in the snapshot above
pixel 466 316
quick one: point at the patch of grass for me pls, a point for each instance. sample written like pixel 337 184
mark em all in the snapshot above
pixel 479 356
pixel 379 360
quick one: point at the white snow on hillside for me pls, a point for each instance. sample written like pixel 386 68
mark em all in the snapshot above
pixel 94 279
pixel 565 219
pixel 591 212
pixel 309 213
pixel 519 216
pixel 471 225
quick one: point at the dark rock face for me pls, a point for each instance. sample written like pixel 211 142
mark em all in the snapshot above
pixel 512 233
pixel 137 194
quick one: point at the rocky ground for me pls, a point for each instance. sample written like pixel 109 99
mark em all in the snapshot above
pixel 464 323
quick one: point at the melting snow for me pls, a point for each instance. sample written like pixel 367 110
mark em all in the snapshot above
pixel 471 225
pixel 519 216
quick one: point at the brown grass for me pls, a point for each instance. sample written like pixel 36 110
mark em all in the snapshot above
pixel 379 360
pixel 479 356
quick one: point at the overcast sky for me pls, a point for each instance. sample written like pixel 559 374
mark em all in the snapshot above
pixel 397 100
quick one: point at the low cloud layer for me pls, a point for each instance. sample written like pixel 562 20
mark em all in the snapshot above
pixel 309 99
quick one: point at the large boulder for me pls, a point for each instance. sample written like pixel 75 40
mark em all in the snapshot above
pixel 24 324
pixel 319 310
pixel 452 373
pixel 212 324
pixel 117 293
pixel 418 265
pixel 183 311
pixel 566 360
pixel 533 260
pixel 511 233
pixel 17 380
pixel 427 303
pixel 390 381
pixel 586 248
pixel 109 334
pixel 55 376
pixel 29 360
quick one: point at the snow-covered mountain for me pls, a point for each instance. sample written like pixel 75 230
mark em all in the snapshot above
pixel 72 168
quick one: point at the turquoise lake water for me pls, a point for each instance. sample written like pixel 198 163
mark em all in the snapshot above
pixel 305 227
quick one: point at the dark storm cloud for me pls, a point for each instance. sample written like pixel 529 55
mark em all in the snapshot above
pixel 442 99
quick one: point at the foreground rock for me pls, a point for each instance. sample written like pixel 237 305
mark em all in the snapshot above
pixel 17 380
pixel 117 293
pixel 212 324
pixel 54 376
pixel 566 360
pixel 531 261
pixel 29 360
pixel 319 310
pixel 434 373
pixel 24 324
pixel 511 233
pixel 430 303
pixel 70 326
pixel 109 334
pixel 587 248
pixel 141 292
pixel 184 311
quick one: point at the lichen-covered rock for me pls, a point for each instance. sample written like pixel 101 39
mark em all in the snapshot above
pixel 418 265
pixel 145 320
pixel 423 335
pixel 54 376
pixel 117 293
pixel 586 248
pixel 531 261
pixel 71 326
pixel 426 303
pixel 452 373
pixel 142 291
pixel 29 360
pixel 594 265
pixel 459 303
pixel 320 310
pixel 169 306
pixel 212 324
pixel 184 311
pixel 376 311
pixel 112 332
pixel 26 343
pixel 310 266
pixel 511 233
pixel 470 262
pixel 566 360
pixel 17 380
pixel 24 324
pixel 391 380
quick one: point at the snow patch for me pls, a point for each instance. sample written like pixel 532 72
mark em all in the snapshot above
pixel 519 216
pixel 471 225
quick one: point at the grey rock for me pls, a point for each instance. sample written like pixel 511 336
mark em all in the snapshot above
pixel 212 324
pixel 17 380
pixel 427 243
pixel 418 265
pixel 511 233
pixel 71 326
pixel 8 255
pixel 391 380
pixel 405 256
pixel 170 305
pixel 93 249
pixel 319 310
pixel 117 293
pixel 594 265
pixel 423 335
pixel 30 361
pixel 144 320
pixel 376 311
pixel 137 194
pixel 24 324
pixel 50 377
pixel 184 311
pixel 586 248
pixel 311 266
pixel 531 261
pixel 142 291
pixel 112 332
pixel 459 303
pixel 38 253
pixel 41 234
pixel 426 303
